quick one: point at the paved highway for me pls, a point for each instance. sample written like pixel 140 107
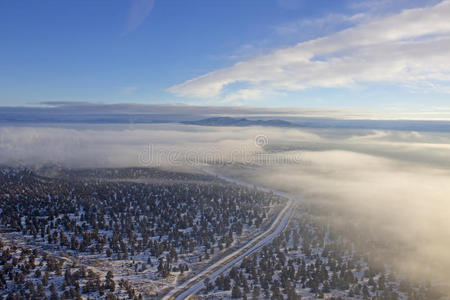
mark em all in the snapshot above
pixel 195 284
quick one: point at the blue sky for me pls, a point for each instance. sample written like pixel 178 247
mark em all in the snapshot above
pixel 223 53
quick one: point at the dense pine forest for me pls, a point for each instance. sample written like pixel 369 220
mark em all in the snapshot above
pixel 136 233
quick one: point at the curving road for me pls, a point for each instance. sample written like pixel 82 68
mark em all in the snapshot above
pixel 195 284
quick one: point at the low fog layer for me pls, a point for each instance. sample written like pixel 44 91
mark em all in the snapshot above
pixel 395 185
pixel 405 205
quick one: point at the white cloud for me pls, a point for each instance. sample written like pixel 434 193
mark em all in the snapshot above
pixel 243 94
pixel 411 46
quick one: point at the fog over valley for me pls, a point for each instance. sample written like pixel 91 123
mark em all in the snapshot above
pixel 392 185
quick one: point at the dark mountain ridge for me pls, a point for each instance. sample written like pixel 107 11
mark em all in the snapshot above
pixel 229 121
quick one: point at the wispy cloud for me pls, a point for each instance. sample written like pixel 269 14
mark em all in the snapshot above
pixel 318 26
pixel 407 47
pixel 129 90
pixel 137 14
pixel 380 7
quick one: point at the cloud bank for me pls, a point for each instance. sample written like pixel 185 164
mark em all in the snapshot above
pixel 408 47
pixel 86 112
pixel 394 185
pixel 401 206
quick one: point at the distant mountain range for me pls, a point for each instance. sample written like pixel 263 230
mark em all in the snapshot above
pixel 406 125
pixel 229 121
pixel 9 116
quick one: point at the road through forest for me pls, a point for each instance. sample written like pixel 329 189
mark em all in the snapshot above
pixel 195 284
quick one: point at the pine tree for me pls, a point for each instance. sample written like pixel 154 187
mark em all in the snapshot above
pixel 236 292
